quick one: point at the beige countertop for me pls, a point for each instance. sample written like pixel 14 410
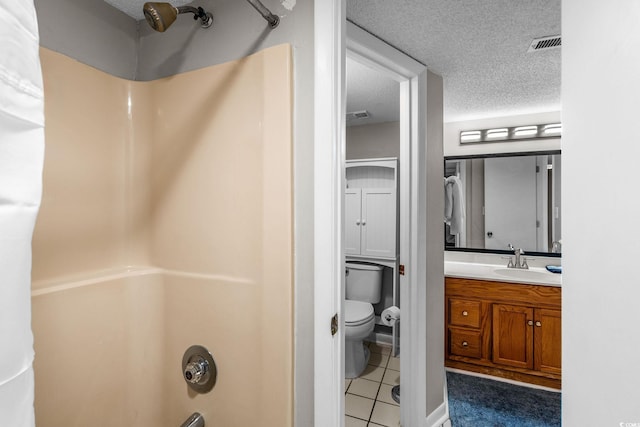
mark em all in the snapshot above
pixel 535 275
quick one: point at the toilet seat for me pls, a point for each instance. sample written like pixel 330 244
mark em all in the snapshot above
pixel 357 313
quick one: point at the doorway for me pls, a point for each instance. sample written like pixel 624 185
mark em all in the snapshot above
pixel 372 344
pixel 370 52
pixel 415 225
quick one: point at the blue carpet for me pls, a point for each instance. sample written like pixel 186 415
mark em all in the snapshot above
pixel 481 402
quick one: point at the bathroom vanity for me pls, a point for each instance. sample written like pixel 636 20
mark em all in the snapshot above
pixel 506 328
pixel 500 320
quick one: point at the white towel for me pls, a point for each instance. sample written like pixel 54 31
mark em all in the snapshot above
pixel 454 211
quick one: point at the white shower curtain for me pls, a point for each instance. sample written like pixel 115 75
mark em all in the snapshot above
pixel 21 159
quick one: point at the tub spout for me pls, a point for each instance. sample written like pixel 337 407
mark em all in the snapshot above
pixel 195 420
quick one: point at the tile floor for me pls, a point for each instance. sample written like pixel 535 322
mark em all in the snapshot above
pixel 368 399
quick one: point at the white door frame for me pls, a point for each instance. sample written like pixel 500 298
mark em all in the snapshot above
pixel 368 50
pixel 329 176
pixel 329 160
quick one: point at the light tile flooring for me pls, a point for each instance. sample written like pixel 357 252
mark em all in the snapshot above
pixel 368 399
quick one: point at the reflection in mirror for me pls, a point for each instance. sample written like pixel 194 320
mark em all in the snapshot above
pixel 495 201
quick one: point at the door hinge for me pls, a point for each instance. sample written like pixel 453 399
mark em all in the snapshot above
pixel 401 269
pixel 334 324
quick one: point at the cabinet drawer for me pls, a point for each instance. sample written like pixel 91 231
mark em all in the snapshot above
pixel 464 313
pixel 465 343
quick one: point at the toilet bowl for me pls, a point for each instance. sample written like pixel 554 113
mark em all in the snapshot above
pixel 363 288
pixel 359 321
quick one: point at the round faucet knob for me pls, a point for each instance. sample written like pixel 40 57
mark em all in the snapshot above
pixel 194 371
pixel 199 369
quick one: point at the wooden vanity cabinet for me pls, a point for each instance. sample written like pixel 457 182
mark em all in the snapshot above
pixel 504 329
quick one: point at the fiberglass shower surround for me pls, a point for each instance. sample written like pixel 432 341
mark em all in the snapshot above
pixel 229 269
pixel 21 160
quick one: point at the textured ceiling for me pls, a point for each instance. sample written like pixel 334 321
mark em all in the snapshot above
pixel 372 91
pixel 478 47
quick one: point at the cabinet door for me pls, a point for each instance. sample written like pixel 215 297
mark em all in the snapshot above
pixel 513 336
pixel 352 221
pixel 378 222
pixel 547 340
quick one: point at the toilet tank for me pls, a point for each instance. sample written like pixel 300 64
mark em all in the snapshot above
pixel 363 282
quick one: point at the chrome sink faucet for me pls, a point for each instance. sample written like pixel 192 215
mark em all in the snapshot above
pixel 518 262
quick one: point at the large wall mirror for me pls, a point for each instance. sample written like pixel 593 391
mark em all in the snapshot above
pixel 494 201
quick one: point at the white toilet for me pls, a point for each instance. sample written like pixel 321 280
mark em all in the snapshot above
pixel 363 288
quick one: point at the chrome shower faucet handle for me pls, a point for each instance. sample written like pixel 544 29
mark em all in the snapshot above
pixel 199 369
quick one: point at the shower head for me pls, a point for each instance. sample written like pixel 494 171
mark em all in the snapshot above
pixel 161 15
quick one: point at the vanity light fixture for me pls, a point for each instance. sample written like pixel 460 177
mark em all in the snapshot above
pixel 471 136
pixel 515 133
pixel 493 134
pixel 525 131
pixel 554 129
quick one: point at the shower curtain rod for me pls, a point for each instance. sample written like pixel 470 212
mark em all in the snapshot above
pixel 272 19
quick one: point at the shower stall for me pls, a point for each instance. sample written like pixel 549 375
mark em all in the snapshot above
pixel 166 222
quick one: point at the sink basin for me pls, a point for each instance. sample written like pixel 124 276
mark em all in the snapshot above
pixel 524 274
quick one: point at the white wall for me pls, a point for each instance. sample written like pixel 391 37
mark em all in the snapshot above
pixel 95 33
pixel 91 32
pixel 452 131
pixel 373 141
pixel 237 31
pixel 601 101
pixel 435 243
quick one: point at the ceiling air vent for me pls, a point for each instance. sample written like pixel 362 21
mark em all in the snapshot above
pixel 544 43
pixel 358 115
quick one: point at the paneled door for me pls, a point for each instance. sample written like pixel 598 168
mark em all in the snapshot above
pixel 378 222
pixel 510 182
pixel 547 340
pixel 352 220
pixel 513 335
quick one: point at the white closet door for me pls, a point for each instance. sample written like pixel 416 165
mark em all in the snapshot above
pixel 352 220
pixel 378 222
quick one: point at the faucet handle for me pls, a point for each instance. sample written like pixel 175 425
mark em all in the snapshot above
pixel 510 264
pixel 524 263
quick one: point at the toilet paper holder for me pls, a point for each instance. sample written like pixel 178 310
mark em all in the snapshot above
pixel 390 315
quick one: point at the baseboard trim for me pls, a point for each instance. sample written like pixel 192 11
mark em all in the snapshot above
pixel 501 379
pixel 380 338
pixel 512 374
pixel 439 417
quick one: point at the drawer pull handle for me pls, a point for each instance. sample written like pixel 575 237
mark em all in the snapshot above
pixel 465 344
pixel 530 322
pixel 465 313
pixel 538 324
